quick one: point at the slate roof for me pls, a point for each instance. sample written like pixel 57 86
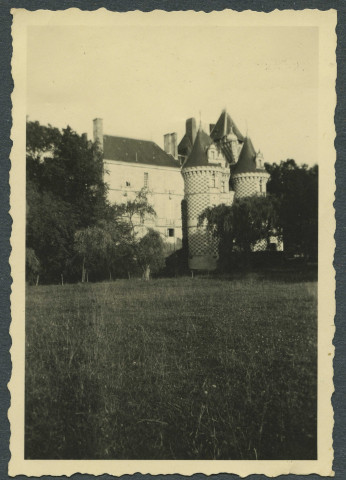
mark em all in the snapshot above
pixel 198 156
pixel 247 159
pixel 223 127
pixel 185 146
pixel 132 150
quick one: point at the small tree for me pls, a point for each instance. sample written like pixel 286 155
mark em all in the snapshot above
pixel 139 207
pixel 91 244
pixel 151 253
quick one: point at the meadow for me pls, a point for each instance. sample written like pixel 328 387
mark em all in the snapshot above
pixel 183 368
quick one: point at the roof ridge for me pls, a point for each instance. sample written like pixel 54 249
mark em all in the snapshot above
pixel 131 138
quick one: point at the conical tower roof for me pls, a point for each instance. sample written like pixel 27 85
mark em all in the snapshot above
pixel 198 156
pixel 247 158
pixel 223 127
pixel 185 146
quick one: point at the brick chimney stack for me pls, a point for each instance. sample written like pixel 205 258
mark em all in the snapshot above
pixel 98 131
pixel 171 144
pixel 191 130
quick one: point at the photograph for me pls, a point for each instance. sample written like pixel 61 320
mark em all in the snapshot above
pixel 174 218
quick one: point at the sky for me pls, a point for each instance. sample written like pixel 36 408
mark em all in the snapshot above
pixel 146 81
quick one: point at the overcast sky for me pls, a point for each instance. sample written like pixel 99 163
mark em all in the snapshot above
pixel 145 81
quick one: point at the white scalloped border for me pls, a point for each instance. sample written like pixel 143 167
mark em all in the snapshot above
pixel 326 21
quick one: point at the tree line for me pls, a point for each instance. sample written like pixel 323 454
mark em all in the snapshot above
pixel 74 234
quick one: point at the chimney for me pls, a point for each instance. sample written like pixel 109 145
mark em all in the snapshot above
pixel 191 130
pixel 85 136
pixel 98 131
pixel 171 144
pixel 211 127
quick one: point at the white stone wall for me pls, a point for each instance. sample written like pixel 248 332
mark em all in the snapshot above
pixel 166 192
pixel 248 184
pixel 204 187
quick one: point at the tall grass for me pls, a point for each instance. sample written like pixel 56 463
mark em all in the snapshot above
pixel 171 369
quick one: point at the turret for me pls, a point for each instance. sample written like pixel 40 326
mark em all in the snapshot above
pixel 249 176
pixel 206 178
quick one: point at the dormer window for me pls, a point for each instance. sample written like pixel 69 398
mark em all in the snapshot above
pixel 212 154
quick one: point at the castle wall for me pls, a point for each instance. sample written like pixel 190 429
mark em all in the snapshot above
pixel 166 191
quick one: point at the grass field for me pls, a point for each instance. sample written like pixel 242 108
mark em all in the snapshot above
pixel 203 368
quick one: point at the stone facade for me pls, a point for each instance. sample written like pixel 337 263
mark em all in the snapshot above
pixel 131 165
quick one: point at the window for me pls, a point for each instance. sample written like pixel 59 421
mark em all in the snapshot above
pixel 171 232
pixel 260 185
pixel 146 179
pixel 223 187
pixel 213 180
pixel 128 184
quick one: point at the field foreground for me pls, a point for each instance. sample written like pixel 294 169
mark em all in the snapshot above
pixel 185 368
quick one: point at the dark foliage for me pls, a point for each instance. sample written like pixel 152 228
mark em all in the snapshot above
pixel 65 192
pixel 240 226
pixel 296 188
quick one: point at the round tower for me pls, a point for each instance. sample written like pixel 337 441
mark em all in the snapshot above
pixel 206 183
pixel 249 176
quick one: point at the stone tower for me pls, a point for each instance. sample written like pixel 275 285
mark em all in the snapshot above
pixel 206 175
pixel 249 176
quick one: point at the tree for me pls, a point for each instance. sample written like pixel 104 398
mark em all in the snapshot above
pixel 240 226
pixel 65 193
pixel 151 253
pixel 116 244
pixel 296 189
pixel 139 209
pixel 134 212
pixel 104 247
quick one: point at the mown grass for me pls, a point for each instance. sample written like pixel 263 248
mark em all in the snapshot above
pixel 201 368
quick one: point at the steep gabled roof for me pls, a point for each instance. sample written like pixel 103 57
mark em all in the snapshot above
pixel 247 158
pixel 135 151
pixel 223 127
pixel 198 156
